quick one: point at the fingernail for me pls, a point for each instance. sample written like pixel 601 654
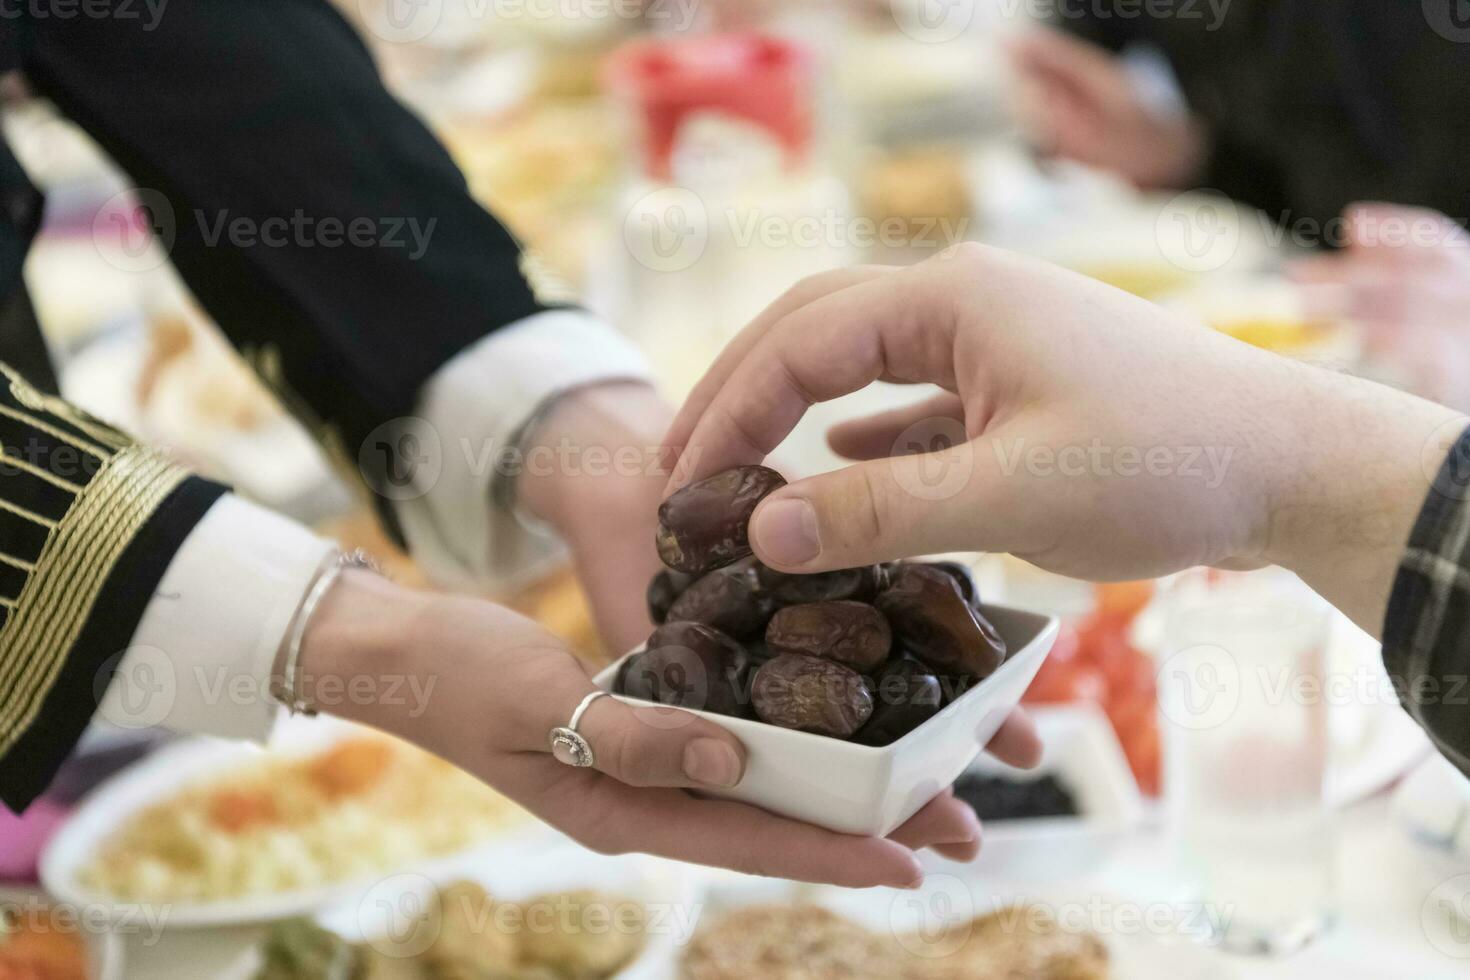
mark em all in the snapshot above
pixel 710 762
pixel 916 884
pixel 785 531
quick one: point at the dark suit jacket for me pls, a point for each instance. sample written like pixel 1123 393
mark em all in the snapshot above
pixel 319 223
pixel 1315 104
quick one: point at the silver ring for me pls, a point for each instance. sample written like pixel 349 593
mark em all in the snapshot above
pixel 567 746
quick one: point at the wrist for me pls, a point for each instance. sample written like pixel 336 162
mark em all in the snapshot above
pixel 595 442
pixel 1356 467
pixel 356 643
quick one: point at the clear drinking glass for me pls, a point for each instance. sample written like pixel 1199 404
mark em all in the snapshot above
pixel 1244 712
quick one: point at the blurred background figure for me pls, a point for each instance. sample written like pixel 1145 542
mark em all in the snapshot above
pixel 1404 278
pixel 1295 106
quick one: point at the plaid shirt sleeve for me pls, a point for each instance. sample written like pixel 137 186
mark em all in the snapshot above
pixel 1426 633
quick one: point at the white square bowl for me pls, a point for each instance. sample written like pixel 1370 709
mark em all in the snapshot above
pixel 861 789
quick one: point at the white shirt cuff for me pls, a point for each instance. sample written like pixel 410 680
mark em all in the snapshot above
pixel 201 658
pixel 476 404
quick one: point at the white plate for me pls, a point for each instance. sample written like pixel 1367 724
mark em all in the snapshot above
pixel 664 887
pixel 1083 752
pixel 165 773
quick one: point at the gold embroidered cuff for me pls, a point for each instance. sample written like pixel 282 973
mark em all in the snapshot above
pixel 79 554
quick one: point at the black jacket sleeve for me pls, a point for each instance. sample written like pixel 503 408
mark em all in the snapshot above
pixel 316 219
pixel 89 521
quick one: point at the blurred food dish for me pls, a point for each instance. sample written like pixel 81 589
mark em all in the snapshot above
pixel 1004 798
pixel 926 191
pixel 32 949
pixel 1095 661
pixel 221 832
pixel 809 942
pixel 1265 311
pixel 578 935
pixel 545 169
pixel 42 940
pixel 364 804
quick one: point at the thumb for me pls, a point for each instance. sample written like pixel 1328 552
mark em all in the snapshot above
pixel 647 746
pixel 883 509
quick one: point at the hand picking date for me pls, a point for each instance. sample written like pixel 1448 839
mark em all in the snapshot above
pixel 727 599
pixel 852 633
pixel 932 620
pixel 811 695
pixel 703 526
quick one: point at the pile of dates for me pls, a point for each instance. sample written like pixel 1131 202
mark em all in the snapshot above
pixel 864 654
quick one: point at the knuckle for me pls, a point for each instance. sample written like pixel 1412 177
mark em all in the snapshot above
pixel 872 501
pixel 967 253
pixel 756 860
pixel 635 760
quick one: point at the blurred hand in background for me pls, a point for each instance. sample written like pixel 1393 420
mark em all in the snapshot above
pixel 1404 277
pixel 1078 102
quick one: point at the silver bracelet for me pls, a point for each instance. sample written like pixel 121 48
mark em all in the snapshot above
pixel 289 693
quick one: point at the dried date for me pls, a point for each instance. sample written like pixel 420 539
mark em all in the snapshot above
pixel 859 584
pixel 727 598
pixel 704 525
pixel 663 589
pixel 932 620
pixel 689 665
pixel 852 633
pixel 905 695
pixel 811 695
pixel 962 577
